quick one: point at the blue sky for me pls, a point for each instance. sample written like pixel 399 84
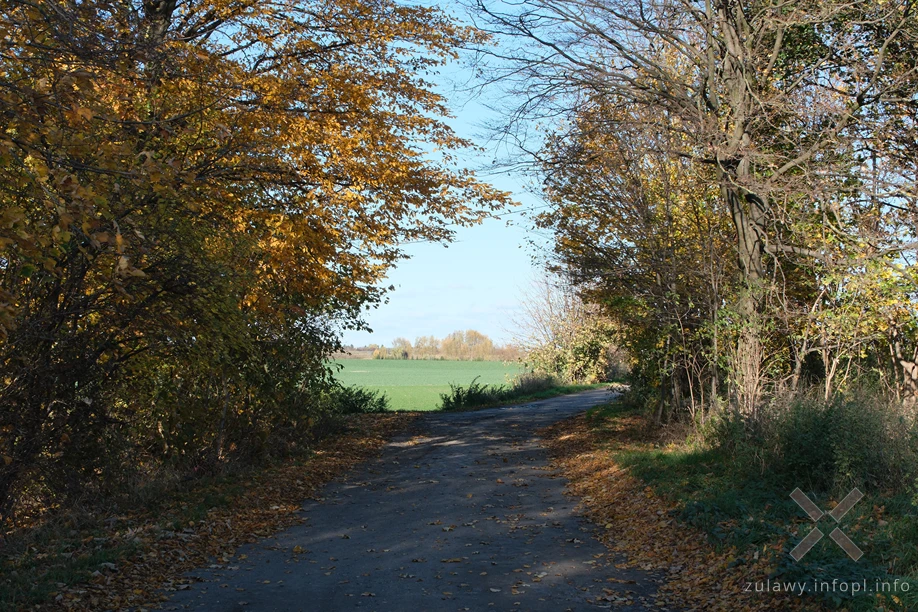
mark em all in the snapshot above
pixel 476 282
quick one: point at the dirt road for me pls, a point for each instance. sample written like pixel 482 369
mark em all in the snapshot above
pixel 466 516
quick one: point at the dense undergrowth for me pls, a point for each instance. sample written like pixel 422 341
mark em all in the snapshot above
pixel 323 415
pixel 110 543
pixel 732 479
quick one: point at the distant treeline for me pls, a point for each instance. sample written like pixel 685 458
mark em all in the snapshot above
pixel 468 345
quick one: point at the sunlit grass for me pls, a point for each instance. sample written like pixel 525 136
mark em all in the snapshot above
pixel 417 384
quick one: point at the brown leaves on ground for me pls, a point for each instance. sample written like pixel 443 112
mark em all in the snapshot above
pixel 638 524
pixel 270 501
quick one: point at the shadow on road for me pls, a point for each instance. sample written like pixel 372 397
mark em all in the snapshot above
pixel 467 515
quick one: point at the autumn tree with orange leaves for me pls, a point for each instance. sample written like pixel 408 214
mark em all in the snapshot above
pixel 195 197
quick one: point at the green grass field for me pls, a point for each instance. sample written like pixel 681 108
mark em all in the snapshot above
pixel 417 385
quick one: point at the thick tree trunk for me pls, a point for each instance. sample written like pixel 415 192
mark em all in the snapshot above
pixel 747 212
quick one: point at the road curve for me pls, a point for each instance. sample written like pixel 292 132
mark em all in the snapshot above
pixel 466 516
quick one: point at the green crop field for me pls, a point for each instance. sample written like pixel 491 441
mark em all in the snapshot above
pixel 417 385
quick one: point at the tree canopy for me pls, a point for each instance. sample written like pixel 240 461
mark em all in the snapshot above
pixel 195 195
pixel 734 181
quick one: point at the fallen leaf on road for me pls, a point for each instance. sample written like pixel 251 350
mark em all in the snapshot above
pixel 630 512
pixel 269 501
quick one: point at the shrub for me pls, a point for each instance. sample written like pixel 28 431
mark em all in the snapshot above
pixel 357 400
pixel 474 395
pixel 477 395
pixel 856 440
pixel 588 356
pixel 532 382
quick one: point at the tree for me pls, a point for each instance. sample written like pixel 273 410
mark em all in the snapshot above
pixel 426 347
pixel 466 345
pixel 643 236
pixel 563 336
pixel 401 348
pixel 211 187
pixel 776 103
pixel 453 345
pixel 477 345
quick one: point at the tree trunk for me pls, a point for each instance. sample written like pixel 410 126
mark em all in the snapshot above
pixel 221 431
pixel 907 366
pixel 747 212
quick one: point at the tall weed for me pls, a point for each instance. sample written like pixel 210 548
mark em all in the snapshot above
pixel 860 439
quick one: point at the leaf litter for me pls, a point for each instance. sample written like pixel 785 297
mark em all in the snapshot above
pixel 270 501
pixel 635 523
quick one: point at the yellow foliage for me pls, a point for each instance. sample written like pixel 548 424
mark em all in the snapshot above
pixel 212 187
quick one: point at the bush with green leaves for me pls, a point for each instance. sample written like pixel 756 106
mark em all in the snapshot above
pixel 476 395
pixel 860 439
pixel 357 400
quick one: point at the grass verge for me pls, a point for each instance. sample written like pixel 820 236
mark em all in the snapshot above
pixel 721 530
pixel 127 559
pixel 497 399
pixel 524 388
